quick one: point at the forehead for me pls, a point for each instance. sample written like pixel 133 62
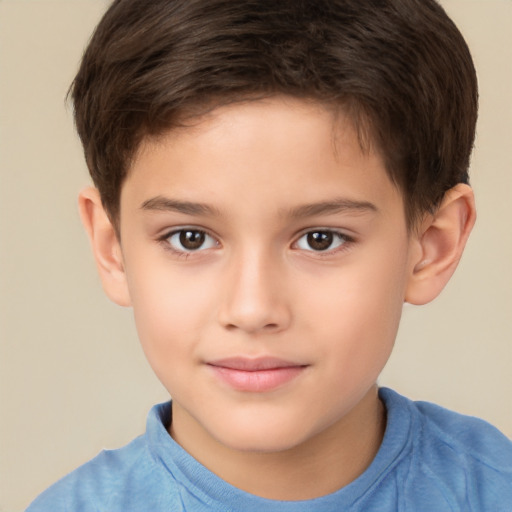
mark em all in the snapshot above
pixel 281 150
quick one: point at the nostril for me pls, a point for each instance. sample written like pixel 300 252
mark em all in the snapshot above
pixel 266 327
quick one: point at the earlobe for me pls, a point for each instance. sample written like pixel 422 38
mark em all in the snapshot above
pixel 441 238
pixel 105 246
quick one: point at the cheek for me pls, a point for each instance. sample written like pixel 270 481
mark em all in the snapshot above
pixel 355 313
pixel 170 312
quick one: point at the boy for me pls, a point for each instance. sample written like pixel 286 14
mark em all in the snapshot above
pixel 274 179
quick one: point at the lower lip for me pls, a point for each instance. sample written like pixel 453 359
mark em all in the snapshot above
pixel 259 381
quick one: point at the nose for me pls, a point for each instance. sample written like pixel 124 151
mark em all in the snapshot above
pixel 255 298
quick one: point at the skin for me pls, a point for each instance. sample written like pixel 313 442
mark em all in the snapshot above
pixel 256 178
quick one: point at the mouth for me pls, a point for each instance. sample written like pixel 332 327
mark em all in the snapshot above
pixel 256 375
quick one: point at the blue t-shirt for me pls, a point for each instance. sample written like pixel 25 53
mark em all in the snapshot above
pixel 430 460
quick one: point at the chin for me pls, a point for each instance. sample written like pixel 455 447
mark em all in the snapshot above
pixel 267 437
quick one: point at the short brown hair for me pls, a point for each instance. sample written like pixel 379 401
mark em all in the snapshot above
pixel 399 68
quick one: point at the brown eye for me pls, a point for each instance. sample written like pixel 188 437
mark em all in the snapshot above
pixel 320 240
pixel 190 240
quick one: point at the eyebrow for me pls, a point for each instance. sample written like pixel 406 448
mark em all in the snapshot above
pixel 338 205
pixel 160 203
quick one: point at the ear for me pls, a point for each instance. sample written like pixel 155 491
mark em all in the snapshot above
pixel 441 238
pixel 105 246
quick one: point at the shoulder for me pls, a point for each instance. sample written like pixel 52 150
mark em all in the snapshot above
pixel 463 459
pixel 93 484
pixel 469 437
pixel 115 480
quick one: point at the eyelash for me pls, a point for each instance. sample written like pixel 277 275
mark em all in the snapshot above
pixel 166 241
pixel 344 241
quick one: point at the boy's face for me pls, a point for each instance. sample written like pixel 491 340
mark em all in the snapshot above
pixel 267 260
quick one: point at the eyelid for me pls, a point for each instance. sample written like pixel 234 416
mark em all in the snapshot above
pixel 164 239
pixel 342 234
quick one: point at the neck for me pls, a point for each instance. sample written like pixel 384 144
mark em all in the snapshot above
pixel 321 465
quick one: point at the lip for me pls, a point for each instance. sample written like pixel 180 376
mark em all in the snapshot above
pixel 258 375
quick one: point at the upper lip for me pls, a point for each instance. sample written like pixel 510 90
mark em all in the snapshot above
pixel 253 364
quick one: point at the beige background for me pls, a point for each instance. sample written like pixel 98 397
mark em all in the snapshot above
pixel 72 376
